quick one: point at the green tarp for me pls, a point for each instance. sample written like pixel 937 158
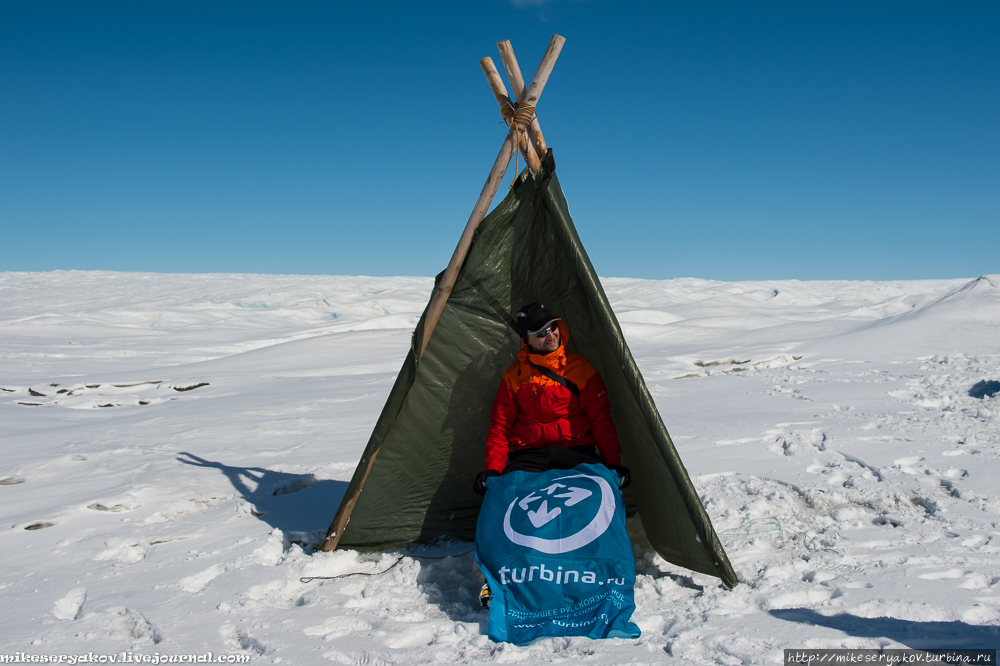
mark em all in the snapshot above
pixel 431 433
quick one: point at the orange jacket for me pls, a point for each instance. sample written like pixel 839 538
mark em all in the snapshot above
pixel 531 411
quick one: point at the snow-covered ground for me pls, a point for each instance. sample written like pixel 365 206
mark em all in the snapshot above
pixel 169 441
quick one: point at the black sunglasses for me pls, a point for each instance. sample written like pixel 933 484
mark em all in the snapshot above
pixel 551 328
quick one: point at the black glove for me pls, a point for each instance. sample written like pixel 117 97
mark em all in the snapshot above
pixel 624 476
pixel 480 485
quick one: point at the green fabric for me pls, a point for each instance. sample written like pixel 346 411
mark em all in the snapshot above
pixel 431 433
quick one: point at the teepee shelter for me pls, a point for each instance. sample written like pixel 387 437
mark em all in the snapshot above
pixel 414 481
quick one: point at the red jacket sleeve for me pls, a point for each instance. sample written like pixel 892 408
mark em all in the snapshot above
pixel 502 419
pixel 594 399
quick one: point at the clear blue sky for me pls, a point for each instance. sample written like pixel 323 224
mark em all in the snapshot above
pixel 724 140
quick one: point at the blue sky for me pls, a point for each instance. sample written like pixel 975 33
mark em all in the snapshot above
pixel 723 140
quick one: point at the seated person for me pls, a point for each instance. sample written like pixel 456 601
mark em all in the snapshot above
pixel 551 410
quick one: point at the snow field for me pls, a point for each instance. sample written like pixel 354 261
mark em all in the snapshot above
pixel 169 497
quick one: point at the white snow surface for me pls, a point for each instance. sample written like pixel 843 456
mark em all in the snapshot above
pixel 173 444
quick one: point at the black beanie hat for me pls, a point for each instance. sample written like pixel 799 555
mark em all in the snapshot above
pixel 532 318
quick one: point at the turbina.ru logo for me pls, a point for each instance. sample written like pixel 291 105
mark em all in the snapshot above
pixel 568 514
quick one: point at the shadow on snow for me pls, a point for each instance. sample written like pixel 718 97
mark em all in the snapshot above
pixel 293 503
pixel 916 635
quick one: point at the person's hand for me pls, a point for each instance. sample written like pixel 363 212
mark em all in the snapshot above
pixel 624 475
pixel 480 485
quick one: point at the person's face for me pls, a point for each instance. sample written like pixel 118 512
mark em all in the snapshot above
pixel 549 343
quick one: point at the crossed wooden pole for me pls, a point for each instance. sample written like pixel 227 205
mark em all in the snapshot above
pixel 530 142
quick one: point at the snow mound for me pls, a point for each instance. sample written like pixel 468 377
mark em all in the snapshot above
pixel 70 607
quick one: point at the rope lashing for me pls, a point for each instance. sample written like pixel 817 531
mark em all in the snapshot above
pixel 520 117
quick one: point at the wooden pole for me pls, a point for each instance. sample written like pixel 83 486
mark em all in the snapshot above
pixel 544 70
pixel 541 76
pixel 500 92
pixel 447 283
pixel 493 78
pixel 340 521
pixel 440 296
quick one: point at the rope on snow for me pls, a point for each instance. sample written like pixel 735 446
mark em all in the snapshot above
pixel 757 526
pixel 309 579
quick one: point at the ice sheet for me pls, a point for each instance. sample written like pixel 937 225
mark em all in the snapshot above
pixel 170 442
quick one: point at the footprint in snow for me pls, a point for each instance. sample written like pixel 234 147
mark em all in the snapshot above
pixel 199 581
pixel 237 640
pixel 124 553
pixel 950 574
pixel 70 607
pixel 133 625
pixel 790 442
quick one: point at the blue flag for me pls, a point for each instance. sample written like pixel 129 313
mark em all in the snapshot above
pixel 555 553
